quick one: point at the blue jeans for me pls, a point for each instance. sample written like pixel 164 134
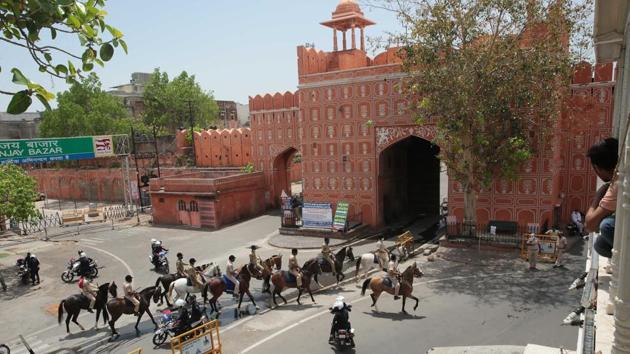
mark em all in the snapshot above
pixel 604 243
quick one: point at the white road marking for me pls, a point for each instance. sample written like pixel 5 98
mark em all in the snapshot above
pixel 304 320
pixel 129 271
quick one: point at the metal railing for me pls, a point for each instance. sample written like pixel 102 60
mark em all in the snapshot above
pixel 484 234
pixel 39 223
pixel 586 334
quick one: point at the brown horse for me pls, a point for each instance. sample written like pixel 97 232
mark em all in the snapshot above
pixel 339 258
pixel 406 286
pixel 279 281
pixel 217 286
pixel 117 307
pixel 75 303
pixel 268 268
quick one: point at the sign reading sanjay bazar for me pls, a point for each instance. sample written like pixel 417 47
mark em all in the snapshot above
pixel 55 149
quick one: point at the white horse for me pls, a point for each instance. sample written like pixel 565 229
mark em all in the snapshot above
pixel 367 262
pixel 182 288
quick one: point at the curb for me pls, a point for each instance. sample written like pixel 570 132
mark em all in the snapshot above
pixel 345 243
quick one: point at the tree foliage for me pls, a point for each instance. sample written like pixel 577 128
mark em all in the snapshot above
pixel 490 74
pixel 17 193
pixel 36 25
pixel 85 109
pixel 168 102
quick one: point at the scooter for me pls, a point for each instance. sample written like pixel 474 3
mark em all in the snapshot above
pixel 161 264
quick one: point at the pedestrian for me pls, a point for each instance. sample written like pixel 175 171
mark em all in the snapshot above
pixel 533 248
pixel 561 245
pixel 33 268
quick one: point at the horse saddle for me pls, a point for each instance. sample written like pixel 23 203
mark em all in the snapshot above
pixel 289 277
pixel 387 282
pixel 229 285
pixel 321 259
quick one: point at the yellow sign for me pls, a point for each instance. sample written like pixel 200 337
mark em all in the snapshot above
pixel 202 339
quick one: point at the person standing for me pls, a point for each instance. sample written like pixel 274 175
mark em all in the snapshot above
pixel 230 273
pixel 180 265
pixel 130 294
pixel 533 248
pixel 294 268
pixel 33 268
pixel 576 217
pixel 561 245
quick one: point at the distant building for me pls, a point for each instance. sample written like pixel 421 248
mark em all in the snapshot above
pixel 20 126
pixel 232 114
pixel 242 113
pixel 132 93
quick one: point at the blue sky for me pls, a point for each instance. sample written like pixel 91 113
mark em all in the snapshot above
pixel 236 48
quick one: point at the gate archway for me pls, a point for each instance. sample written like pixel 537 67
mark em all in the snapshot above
pixel 282 176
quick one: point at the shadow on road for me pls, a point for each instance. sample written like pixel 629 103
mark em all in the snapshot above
pixel 394 316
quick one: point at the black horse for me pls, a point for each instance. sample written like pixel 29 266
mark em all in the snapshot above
pixel 75 303
pixel 339 258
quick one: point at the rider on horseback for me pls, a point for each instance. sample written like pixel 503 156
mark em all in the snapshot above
pixel 328 255
pixel 131 294
pixel 392 271
pixel 381 253
pixel 181 266
pixel 193 275
pixel 89 290
pixel 230 273
pixel 294 267
pixel 254 260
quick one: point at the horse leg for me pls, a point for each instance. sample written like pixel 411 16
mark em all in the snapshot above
pixel 68 317
pixel 74 319
pixel 115 317
pixel 251 298
pixel 148 311
pixel 240 300
pixel 415 298
pixel 138 322
pixel 273 296
pixel 282 297
pixel 403 304
pixel 98 314
pixel 299 294
pixel 310 293
pixel 317 281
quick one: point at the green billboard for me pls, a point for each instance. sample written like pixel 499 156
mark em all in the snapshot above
pixel 21 151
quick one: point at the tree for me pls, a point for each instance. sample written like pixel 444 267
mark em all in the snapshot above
pixel 168 104
pixel 17 193
pixel 490 74
pixel 24 23
pixel 85 109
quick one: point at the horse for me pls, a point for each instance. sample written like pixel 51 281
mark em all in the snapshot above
pixel 165 280
pixel 367 262
pixel 339 258
pixel 75 303
pixel 217 286
pixel 117 307
pixel 377 286
pixel 182 288
pixel 268 265
pixel 281 280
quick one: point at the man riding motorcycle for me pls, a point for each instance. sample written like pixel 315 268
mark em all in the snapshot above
pixel 84 264
pixel 341 320
pixel 156 248
pixel 185 319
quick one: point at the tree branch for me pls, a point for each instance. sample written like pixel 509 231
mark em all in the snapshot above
pixel 7 93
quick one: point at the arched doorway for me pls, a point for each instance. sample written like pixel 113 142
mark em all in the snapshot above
pixel 408 180
pixel 286 170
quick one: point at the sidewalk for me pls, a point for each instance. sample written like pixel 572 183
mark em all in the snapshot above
pixel 303 242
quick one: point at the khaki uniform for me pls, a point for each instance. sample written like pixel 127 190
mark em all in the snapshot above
pixel 561 245
pixel 392 271
pixel 194 276
pixel 130 295
pixel 181 267
pixel 381 254
pixel 90 290
pixel 230 273
pixel 532 250
pixel 329 257
pixel 255 261
pixel 294 268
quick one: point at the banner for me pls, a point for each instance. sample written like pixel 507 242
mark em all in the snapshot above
pixel 55 149
pixel 317 216
pixel 341 216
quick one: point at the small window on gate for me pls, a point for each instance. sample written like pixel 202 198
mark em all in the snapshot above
pixel 194 206
pixel 181 205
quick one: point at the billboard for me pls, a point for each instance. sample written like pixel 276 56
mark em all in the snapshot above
pixel 55 149
pixel 317 216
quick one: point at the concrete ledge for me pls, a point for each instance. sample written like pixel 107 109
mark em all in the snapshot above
pixel 359 230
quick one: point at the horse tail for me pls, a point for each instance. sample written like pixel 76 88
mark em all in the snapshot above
pixel 365 285
pixel 60 311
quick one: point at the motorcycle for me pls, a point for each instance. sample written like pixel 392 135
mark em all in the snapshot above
pixel 22 271
pixel 344 339
pixel 73 267
pixel 4 349
pixel 161 263
pixel 167 327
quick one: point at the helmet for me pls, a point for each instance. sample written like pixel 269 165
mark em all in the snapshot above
pixel 180 303
pixel 153 241
pixel 339 302
pixel 158 243
pixel 82 254
pixel 33 256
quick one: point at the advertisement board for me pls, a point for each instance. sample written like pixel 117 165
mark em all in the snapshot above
pixel 317 216
pixel 341 216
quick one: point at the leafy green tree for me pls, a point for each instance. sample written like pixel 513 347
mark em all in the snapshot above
pixel 490 74
pixel 17 193
pixel 168 103
pixel 85 109
pixel 27 24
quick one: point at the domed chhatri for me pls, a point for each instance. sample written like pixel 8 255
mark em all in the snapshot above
pixel 345 7
pixel 348 16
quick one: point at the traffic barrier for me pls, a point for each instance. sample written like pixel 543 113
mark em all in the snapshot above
pixel 202 339
pixel 548 251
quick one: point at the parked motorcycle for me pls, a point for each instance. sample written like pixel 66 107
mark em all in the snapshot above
pixel 22 271
pixel 73 267
pixel 167 327
pixel 344 340
pixel 161 263
pixel 4 349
